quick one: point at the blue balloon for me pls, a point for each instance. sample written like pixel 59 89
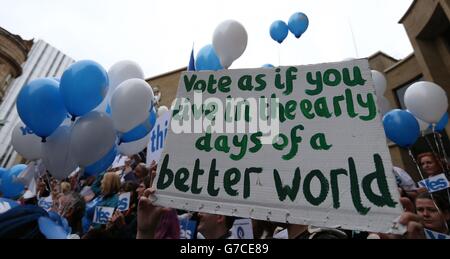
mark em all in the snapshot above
pixel 440 126
pixel 2 172
pixel 60 220
pixel 141 130
pixel 83 87
pixel 207 59
pixel 268 66
pixel 10 187
pixel 401 127
pixel 50 229
pixel 41 107
pixel 279 31
pixel 102 164
pixel 298 24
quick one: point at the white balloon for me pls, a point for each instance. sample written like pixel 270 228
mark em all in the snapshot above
pixel 25 142
pixel 380 82
pixel 92 138
pixel 117 74
pixel 56 154
pixel 423 125
pixel 229 41
pixel 130 104
pixel 427 101
pixel 132 148
pixel 161 110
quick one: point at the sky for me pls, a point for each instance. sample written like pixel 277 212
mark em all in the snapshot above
pixel 159 34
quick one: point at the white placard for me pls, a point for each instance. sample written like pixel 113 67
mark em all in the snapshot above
pixel 157 138
pixel 124 201
pixel 242 229
pixel 435 183
pixel 46 203
pixel 119 161
pixel 328 166
pixel 102 214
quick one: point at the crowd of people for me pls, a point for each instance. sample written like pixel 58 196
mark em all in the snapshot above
pixel 73 202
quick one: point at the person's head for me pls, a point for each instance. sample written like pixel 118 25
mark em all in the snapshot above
pixel 145 184
pixel 434 219
pixel 72 207
pixel 65 187
pixel 213 226
pixel 141 171
pixel 110 184
pixel 429 163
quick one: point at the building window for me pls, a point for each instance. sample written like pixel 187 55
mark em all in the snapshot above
pixel 400 92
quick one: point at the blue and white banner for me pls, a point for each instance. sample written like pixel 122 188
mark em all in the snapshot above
pixel 46 203
pixel 187 228
pixel 242 229
pixel 157 138
pixel 435 183
pixel 103 214
pixel 124 201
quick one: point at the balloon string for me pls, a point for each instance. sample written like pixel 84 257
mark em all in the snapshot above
pixel 49 183
pixel 441 142
pixel 430 145
pixel 439 153
pixel 279 55
pixel 415 162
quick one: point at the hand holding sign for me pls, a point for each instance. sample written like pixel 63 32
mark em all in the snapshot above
pixel 148 215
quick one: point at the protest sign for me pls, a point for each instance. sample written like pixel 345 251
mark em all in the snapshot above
pixel 242 229
pixel 124 201
pixel 46 203
pixel 435 183
pixel 119 162
pixel 103 214
pixel 302 145
pixel 187 228
pixel 157 138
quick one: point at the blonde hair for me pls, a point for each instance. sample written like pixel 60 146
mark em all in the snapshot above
pixel 110 184
pixel 65 187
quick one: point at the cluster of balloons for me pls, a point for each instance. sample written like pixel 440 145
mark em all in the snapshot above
pixel 298 24
pixel 86 119
pixel 426 104
pixel 228 44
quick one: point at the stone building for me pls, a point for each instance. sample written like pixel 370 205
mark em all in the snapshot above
pixel 13 52
pixel 23 62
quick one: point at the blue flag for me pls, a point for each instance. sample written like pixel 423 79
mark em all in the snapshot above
pixel 191 66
